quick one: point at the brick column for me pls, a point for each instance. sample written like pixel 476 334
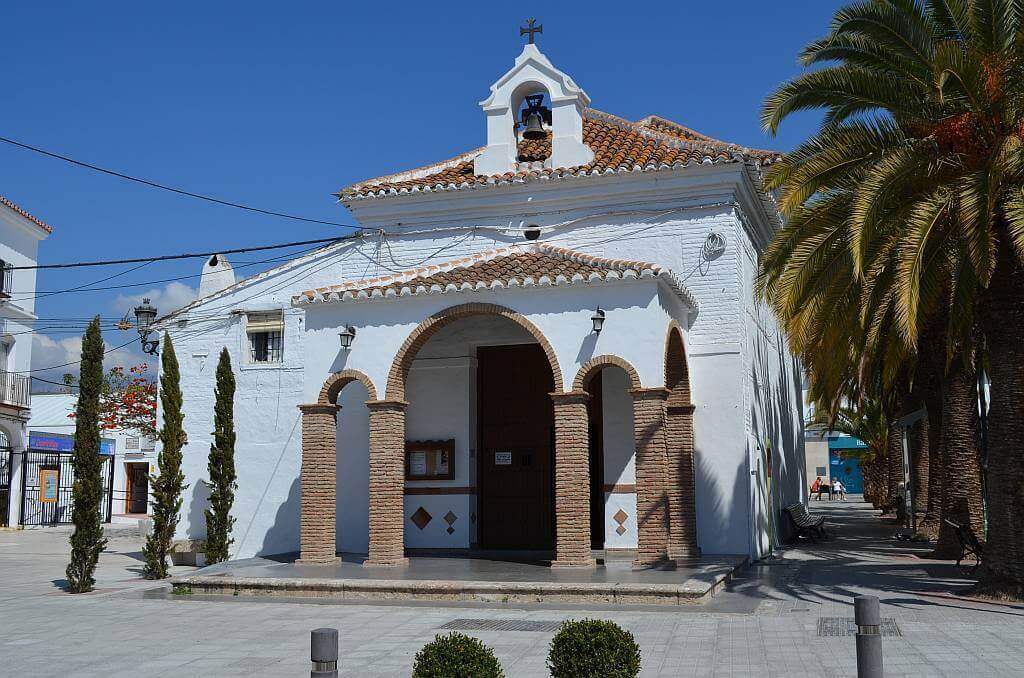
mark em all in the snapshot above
pixel 651 476
pixel 387 483
pixel 318 482
pixel 682 506
pixel 572 481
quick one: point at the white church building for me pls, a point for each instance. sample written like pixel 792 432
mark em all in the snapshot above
pixel 547 345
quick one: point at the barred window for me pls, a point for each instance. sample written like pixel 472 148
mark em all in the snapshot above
pixel 266 337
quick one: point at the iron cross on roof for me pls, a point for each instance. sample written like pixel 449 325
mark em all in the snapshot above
pixel 530 29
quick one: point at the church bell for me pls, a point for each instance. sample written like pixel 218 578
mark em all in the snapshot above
pixel 534 126
pixel 534 117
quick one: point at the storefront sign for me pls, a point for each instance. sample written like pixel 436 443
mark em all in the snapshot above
pixel 55 442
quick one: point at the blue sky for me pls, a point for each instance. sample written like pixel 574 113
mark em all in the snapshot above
pixel 280 104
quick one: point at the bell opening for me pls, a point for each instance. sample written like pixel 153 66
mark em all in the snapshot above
pixel 535 117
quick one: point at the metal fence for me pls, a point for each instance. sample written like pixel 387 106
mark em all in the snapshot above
pixel 47 479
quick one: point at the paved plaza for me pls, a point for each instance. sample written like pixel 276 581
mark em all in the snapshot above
pixel 782 617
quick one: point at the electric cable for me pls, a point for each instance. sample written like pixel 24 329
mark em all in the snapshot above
pixel 179 191
pixel 187 255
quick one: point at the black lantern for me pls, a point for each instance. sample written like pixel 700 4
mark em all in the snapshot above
pixel 144 317
pixel 346 336
pixel 598 320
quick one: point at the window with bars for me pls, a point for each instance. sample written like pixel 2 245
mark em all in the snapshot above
pixel 266 337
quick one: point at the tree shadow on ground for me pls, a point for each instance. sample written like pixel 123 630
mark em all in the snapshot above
pixel 862 557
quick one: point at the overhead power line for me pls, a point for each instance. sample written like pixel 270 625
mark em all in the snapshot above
pixel 189 255
pixel 172 189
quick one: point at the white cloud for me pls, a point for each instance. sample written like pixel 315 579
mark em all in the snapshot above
pixel 168 298
pixel 51 355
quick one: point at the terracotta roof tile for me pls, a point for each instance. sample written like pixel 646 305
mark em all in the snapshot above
pixel 618 145
pixel 514 266
pixel 25 214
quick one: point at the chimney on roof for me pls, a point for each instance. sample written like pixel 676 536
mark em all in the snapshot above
pixel 217 275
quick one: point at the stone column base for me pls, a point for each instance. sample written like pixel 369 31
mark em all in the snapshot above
pixel 393 562
pixel 585 564
pixel 336 560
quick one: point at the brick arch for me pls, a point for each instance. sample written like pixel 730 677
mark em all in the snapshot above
pixel 677 373
pixel 682 541
pixel 426 329
pixel 337 381
pixel 594 365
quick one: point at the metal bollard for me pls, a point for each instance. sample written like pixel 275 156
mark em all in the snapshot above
pixel 869 636
pixel 323 651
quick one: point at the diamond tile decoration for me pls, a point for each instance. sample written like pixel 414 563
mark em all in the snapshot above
pixel 421 518
pixel 450 518
pixel 450 529
pixel 620 517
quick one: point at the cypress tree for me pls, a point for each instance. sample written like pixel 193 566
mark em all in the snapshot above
pixel 221 465
pixel 169 484
pixel 87 541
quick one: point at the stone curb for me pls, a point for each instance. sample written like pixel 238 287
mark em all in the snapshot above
pixel 689 592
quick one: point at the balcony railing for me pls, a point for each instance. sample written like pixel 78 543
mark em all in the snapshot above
pixel 15 390
pixel 6 272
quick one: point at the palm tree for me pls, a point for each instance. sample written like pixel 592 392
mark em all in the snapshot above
pixel 923 142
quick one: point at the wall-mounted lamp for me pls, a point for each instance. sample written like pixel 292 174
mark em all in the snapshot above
pixel 346 336
pixel 598 320
pixel 144 317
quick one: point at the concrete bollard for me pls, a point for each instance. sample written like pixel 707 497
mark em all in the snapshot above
pixel 323 652
pixel 869 636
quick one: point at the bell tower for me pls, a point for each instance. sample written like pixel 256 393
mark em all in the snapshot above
pixel 533 75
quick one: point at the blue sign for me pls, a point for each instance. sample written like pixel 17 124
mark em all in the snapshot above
pixel 56 442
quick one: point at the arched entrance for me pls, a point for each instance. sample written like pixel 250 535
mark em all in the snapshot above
pixel 547 462
pixel 637 511
pixel 318 472
pixel 679 429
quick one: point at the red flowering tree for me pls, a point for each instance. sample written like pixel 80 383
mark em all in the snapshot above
pixel 127 401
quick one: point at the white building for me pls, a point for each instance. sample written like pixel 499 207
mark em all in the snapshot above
pixel 125 477
pixel 674 430
pixel 20 234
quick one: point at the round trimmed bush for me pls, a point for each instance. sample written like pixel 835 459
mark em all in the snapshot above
pixel 593 648
pixel 456 656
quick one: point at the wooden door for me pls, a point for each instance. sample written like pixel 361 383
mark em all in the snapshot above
pixel 516 428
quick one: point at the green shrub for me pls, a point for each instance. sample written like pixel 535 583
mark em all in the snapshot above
pixel 593 648
pixel 456 656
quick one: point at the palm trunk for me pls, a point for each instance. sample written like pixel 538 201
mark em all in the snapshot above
pixel 1002 319
pixel 961 481
pixel 928 491
pixel 893 471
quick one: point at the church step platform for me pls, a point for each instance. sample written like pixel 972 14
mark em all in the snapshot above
pixel 467 579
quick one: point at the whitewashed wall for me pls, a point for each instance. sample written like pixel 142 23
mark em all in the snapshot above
pixel 19 246
pixel 664 217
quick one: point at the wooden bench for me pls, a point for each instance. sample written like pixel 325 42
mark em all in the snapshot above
pixel 805 524
pixel 969 545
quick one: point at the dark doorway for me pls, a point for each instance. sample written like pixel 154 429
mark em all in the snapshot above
pixel 6 469
pixel 137 479
pixel 516 429
pixel 595 410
